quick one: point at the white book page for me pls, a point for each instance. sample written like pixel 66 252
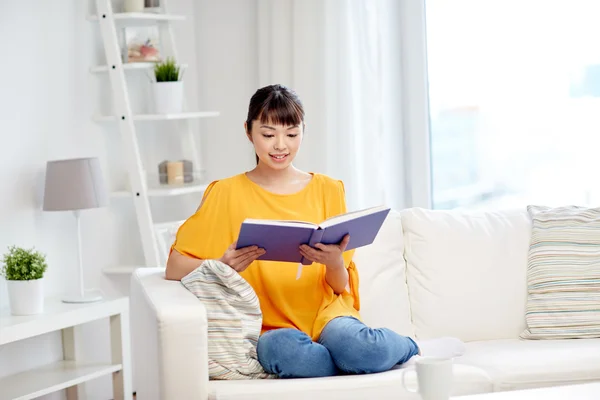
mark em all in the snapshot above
pixel 351 215
pixel 299 224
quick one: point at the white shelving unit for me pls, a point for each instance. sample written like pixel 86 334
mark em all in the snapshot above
pixel 69 372
pixel 140 191
pixel 52 378
pixel 168 191
pixel 137 18
pixel 129 67
pixel 160 117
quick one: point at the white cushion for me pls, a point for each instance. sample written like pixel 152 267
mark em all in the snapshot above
pixel 466 272
pixel 166 232
pixel 381 386
pixel 521 364
pixel 382 279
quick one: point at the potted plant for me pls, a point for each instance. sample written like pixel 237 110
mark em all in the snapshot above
pixel 168 87
pixel 24 271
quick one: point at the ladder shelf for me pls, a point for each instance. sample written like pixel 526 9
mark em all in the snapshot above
pixel 159 117
pixel 168 190
pixel 134 66
pixel 139 18
pixel 154 237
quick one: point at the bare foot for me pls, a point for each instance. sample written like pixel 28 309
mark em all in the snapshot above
pixel 441 347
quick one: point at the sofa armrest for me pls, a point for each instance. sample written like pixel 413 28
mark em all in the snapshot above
pixel 169 338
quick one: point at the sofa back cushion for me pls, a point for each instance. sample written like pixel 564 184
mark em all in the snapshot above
pixel 382 279
pixel 466 272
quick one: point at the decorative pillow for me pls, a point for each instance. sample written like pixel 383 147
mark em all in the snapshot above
pixel 166 233
pixel 563 273
pixel 234 321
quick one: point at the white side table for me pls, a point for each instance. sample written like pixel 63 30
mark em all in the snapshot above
pixel 69 372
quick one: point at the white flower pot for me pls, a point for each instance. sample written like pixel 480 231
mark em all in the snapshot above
pixel 26 297
pixel 168 97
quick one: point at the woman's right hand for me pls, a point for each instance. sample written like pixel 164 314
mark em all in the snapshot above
pixel 240 259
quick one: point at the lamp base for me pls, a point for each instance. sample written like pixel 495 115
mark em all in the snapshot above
pixel 77 298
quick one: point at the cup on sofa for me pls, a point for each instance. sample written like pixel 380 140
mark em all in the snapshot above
pixel 434 378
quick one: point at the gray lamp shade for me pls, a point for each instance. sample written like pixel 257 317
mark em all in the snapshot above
pixel 74 184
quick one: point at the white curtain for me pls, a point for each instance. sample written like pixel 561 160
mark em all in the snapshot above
pixel 343 59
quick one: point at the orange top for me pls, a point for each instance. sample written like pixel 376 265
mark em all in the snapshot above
pixel 306 304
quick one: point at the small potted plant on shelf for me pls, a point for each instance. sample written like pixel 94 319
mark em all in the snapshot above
pixel 168 87
pixel 24 272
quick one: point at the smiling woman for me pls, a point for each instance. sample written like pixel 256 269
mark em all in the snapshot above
pixel 311 326
pixel 274 106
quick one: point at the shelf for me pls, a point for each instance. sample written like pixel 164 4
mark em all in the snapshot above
pixel 141 18
pixel 121 269
pixel 57 315
pixel 161 117
pixel 51 378
pixel 167 190
pixel 137 66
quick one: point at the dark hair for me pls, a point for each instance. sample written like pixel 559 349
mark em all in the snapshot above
pixel 275 104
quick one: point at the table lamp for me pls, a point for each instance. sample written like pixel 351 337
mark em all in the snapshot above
pixel 75 185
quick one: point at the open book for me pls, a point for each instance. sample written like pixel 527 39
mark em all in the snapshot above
pixel 282 239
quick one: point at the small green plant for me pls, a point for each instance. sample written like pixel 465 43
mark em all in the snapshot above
pixel 23 264
pixel 166 71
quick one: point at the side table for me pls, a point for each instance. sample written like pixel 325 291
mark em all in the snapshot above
pixel 69 372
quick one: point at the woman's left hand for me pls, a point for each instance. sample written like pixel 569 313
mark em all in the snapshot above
pixel 327 254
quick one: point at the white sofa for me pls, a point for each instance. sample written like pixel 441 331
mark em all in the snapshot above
pixel 428 274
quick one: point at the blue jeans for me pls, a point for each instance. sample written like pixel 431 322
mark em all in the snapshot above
pixel 346 346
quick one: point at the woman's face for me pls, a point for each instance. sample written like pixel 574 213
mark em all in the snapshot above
pixel 276 145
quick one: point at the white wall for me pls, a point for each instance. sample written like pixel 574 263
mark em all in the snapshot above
pixel 47 97
pixel 292 52
pixel 228 70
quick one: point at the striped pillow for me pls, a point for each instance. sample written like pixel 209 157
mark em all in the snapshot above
pixel 234 321
pixel 563 273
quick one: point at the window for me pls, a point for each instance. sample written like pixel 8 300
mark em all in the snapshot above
pixel 514 102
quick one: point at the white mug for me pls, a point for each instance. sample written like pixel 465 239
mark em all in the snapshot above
pixel 434 378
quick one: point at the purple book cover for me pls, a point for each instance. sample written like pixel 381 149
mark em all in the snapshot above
pixel 282 239
pixel 362 230
pixel 280 242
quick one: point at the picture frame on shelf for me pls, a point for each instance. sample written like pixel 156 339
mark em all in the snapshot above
pixel 140 44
